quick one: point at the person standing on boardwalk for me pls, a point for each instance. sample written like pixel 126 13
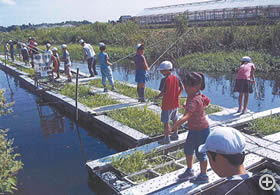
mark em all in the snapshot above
pixel 6 48
pixel 48 49
pixel 25 54
pixel 19 46
pixel 244 80
pixel 90 56
pixel 141 71
pixel 106 71
pixel 198 125
pixel 170 89
pixel 225 148
pixel 67 62
pixel 12 49
pixel 55 61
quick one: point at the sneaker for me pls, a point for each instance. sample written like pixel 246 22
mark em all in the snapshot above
pixel 92 75
pixel 188 174
pixel 200 179
pixel 142 100
pixel 239 110
pixel 165 140
pixel 113 89
pixel 174 136
pixel 105 89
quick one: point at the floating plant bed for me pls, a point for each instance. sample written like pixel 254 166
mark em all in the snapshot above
pixel 262 126
pixel 177 154
pixel 168 168
pixel 126 89
pixel 159 160
pixel 141 177
pixel 97 100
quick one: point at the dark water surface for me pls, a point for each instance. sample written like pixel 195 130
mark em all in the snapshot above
pixel 219 87
pixel 50 145
pixel 54 160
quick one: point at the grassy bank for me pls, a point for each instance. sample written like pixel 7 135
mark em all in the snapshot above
pixel 228 61
pixel 21 68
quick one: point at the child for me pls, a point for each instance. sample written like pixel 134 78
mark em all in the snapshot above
pixel 198 126
pixel 244 80
pixel 141 71
pixel 25 55
pixel 170 88
pixel 106 71
pixel 67 62
pixel 56 62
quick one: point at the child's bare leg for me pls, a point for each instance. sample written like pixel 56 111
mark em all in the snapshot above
pixel 246 100
pixel 203 166
pixel 240 99
pixel 166 129
pixel 189 159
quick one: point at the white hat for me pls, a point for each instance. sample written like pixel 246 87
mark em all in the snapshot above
pixel 10 41
pixel 48 45
pixel 63 46
pixel 54 49
pixel 81 41
pixel 35 44
pixel 101 44
pixel 165 65
pixel 139 45
pixel 224 140
pixel 246 59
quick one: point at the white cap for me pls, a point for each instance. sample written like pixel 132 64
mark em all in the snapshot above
pixel 54 49
pixel 224 140
pixel 165 65
pixel 246 59
pixel 101 44
pixel 35 44
pixel 139 45
pixel 81 41
pixel 10 41
pixel 48 45
pixel 63 46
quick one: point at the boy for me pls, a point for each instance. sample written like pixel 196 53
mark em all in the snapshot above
pixel 67 62
pixel 171 88
pixel 89 55
pixel 106 71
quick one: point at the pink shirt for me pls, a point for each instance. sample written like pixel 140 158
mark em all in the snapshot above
pixel 244 71
pixel 195 105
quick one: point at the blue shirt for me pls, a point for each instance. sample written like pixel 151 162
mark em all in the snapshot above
pixel 67 57
pixel 102 56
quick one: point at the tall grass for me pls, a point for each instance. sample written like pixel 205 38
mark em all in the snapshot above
pixel 267 125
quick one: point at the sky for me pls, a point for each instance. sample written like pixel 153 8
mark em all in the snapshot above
pixel 17 12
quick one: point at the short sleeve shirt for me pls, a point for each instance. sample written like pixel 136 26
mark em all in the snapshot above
pixel 244 71
pixel 195 105
pixel 66 56
pixel 172 88
pixel 88 51
pixel 102 56
pixel 139 62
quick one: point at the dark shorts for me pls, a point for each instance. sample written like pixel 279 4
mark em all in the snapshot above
pixel 141 76
pixel 243 86
pixel 194 140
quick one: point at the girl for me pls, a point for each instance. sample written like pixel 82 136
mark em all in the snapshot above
pixel 55 61
pixel 198 126
pixel 141 71
pixel 244 80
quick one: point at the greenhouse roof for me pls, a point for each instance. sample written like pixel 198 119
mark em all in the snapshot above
pixel 206 5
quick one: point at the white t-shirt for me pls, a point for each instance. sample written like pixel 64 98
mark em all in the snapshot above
pixel 88 50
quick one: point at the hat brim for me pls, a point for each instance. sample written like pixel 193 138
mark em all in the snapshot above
pixel 202 148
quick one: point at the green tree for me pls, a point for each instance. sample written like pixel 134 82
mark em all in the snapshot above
pixel 9 165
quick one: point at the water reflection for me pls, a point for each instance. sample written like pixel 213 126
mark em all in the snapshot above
pixel 219 86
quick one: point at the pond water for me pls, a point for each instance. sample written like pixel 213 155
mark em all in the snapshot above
pixel 219 87
pixel 54 150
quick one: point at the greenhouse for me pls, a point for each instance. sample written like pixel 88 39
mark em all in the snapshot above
pixel 215 10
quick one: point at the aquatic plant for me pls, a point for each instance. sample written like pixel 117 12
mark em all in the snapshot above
pixel 130 163
pixel 97 100
pixel 141 119
pixel 125 89
pixel 267 125
pixel 167 168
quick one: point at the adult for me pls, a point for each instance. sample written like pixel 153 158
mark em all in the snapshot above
pixel 141 71
pixel 225 148
pixel 90 56
pixel 67 62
